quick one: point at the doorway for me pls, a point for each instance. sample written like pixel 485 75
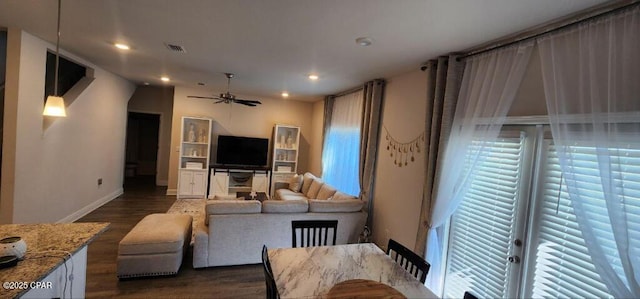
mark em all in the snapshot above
pixel 141 166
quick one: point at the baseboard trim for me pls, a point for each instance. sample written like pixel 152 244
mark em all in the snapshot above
pixel 172 191
pixel 91 207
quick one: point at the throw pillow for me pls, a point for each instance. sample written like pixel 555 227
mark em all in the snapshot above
pixel 326 192
pixel 295 183
pixel 314 188
pixel 306 182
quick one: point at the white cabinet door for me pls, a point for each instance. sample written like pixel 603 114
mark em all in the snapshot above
pixel 219 184
pixel 260 182
pixel 199 184
pixel 185 183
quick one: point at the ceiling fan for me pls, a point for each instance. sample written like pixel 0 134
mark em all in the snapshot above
pixel 229 98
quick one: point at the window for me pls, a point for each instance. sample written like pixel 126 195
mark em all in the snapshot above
pixel 69 74
pixel 341 151
pixel 509 240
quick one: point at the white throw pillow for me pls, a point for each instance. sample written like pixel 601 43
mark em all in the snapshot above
pixel 295 183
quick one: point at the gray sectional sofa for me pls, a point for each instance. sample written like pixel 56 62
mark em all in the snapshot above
pixel 235 230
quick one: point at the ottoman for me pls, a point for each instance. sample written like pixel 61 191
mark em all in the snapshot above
pixel 154 246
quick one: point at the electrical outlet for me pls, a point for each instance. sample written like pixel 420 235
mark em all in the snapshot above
pixel 99 181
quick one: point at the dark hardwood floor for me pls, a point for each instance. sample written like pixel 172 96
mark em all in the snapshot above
pixel 141 198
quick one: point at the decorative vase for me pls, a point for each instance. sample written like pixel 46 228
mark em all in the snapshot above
pixel 289 141
pixel 282 142
pixel 192 133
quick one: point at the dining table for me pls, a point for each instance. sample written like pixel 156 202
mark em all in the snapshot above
pixel 328 271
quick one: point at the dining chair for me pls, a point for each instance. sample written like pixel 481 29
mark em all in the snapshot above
pixel 272 290
pixel 408 260
pixel 468 295
pixel 313 232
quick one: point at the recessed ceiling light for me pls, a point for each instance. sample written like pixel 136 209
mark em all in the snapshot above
pixel 364 41
pixel 146 83
pixel 285 94
pixel 313 77
pixel 165 79
pixel 122 46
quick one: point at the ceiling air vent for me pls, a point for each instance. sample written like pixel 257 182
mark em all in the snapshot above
pixel 175 48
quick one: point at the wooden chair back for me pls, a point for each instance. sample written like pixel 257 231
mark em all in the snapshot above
pixel 272 290
pixel 408 260
pixel 313 232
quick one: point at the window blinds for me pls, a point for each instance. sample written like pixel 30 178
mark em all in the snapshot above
pixel 482 227
pixel 563 267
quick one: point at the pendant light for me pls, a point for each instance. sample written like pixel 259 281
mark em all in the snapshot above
pixel 55 104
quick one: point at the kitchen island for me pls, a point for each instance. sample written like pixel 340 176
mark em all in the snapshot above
pixel 55 262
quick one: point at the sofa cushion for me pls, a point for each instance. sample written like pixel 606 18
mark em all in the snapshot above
pixel 223 206
pixel 342 196
pixel 286 194
pixel 335 206
pixel 295 183
pixel 316 184
pixel 326 192
pixel 285 206
pixel 306 182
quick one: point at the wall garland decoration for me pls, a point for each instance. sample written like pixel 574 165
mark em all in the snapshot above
pixel 403 152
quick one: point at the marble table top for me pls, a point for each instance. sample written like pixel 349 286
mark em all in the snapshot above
pixel 47 245
pixel 310 272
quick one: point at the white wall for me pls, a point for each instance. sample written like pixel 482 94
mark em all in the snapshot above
pixel 53 175
pixel 239 120
pixel 157 100
pixel 398 190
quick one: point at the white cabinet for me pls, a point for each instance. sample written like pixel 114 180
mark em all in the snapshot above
pixel 192 183
pixel 67 280
pixel 195 146
pixel 286 140
pixel 229 181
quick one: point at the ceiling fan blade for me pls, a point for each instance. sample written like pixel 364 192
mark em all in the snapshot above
pixel 240 101
pixel 199 97
pixel 219 101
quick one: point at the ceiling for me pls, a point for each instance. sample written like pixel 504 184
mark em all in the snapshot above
pixel 273 45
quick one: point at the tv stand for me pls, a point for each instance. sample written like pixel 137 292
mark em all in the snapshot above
pixel 228 180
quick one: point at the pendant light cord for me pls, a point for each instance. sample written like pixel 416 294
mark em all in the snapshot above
pixel 55 80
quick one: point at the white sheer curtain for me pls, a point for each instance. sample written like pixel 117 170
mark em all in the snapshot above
pixel 591 76
pixel 489 85
pixel 341 151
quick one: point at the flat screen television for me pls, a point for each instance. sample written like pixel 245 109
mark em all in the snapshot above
pixel 242 151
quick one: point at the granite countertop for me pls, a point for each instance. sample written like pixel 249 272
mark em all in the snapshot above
pixel 47 245
pixel 311 272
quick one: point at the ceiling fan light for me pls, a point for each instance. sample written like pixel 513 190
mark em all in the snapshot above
pixel 54 107
pixel 122 46
pixel 285 94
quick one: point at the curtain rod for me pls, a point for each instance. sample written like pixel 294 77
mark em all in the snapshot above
pixel 346 92
pixel 584 16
